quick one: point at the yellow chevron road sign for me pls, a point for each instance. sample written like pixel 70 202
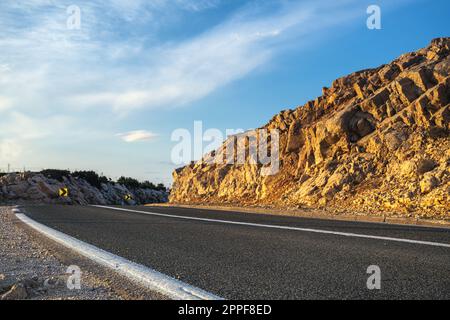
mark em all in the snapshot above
pixel 64 192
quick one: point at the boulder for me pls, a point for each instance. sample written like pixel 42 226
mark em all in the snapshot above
pixel 17 292
pixel 6 283
pixel 295 137
pixel 428 183
pixel 417 167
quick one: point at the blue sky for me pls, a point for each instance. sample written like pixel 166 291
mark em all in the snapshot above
pixel 108 96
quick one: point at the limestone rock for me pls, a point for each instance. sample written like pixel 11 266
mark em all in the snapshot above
pixel 376 140
pixel 428 183
pixel 35 188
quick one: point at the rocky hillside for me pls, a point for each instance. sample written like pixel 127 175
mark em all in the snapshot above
pixel 376 141
pixel 36 188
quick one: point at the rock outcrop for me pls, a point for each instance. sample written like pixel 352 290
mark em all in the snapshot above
pixel 376 141
pixel 36 188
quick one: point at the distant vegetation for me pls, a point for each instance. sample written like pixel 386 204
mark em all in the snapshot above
pixel 92 177
pixel 55 174
pixel 96 180
pixel 134 184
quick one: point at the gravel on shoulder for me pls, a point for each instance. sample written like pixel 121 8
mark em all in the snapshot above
pixel 29 271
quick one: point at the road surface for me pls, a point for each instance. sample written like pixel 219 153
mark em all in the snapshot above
pixel 252 256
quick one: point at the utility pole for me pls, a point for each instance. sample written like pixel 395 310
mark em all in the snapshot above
pixel 9 167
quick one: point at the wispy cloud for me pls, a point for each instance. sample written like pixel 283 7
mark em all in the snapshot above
pixel 198 5
pixel 137 135
pixel 124 58
pixel 5 103
pixel 96 67
pixel 20 132
pixel 9 151
pixel 180 73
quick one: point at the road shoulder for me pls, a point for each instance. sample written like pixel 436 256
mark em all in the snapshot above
pixel 34 267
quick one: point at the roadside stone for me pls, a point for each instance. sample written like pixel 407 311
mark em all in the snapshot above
pixel 393 140
pixel 5 283
pixel 417 167
pixel 428 183
pixel 425 165
pixel 17 292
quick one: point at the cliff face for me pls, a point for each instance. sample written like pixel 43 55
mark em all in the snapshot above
pixel 376 140
pixel 36 188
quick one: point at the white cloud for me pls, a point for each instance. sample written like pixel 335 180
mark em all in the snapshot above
pixel 197 5
pixel 10 151
pixel 20 133
pixel 21 126
pixel 156 11
pixel 4 68
pixel 5 103
pixel 138 135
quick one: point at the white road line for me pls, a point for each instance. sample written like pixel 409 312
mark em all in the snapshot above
pixel 147 277
pixel 345 234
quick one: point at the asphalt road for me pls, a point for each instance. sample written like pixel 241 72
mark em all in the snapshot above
pixel 240 261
